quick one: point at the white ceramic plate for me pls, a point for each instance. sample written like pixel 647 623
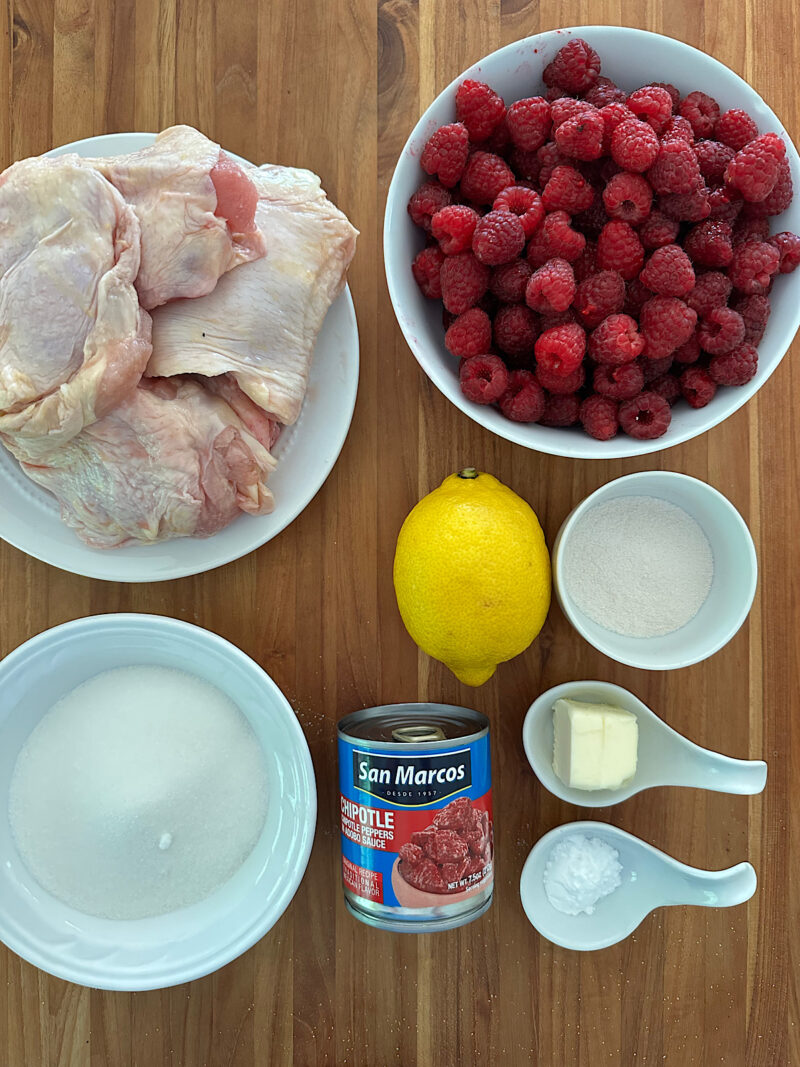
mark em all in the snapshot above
pixel 306 453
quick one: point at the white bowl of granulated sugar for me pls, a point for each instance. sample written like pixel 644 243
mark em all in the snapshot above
pixel 158 803
pixel 656 570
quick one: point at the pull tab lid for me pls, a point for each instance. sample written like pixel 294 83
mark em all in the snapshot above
pixel 416 734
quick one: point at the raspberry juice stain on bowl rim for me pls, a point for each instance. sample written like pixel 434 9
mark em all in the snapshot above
pixel 416 816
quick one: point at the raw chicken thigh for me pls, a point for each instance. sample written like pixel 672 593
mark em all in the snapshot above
pixel 73 339
pixel 195 206
pixel 261 321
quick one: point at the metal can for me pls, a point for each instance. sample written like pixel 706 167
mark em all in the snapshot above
pixel 415 796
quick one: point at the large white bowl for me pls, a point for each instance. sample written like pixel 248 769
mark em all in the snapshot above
pixel 190 942
pixel 306 453
pixel 631 58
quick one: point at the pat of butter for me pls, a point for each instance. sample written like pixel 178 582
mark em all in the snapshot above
pixel 594 745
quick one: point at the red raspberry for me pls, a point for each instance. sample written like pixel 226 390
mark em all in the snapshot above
pixel 666 323
pixel 669 272
pixel 628 197
pixel 592 221
pixel 780 198
pixel 568 108
pixel 654 368
pixel 651 104
pixel 523 400
pixel 702 111
pixel 453 227
pixel 697 386
pixel 561 410
pixel 551 287
pixel 558 318
pixel 426 201
pixel 711 290
pixel 646 416
pixel 599 296
pixel 484 379
pixel 557 383
pixel 687 207
pixel 586 263
pixel 688 352
pixel 485 177
pixel 479 108
pixel 636 296
pixel 613 115
pixel 464 281
pixel 753 265
pixel 678 129
pixel 549 157
pixel 734 368
pixel 470 334
pixel 788 245
pixel 657 230
pixel 567 190
pixel 713 158
pixel 750 229
pixel 581 137
pixel 667 386
pixel 599 417
pixel 426 270
pixel 674 95
pixel 721 331
pixel 755 313
pixel 634 145
pixel 710 244
pixel 735 128
pixel 510 280
pixel 561 349
pixel 515 330
pixel 754 169
pixel 553 93
pixel 529 123
pixel 445 153
pixel 555 239
pixel 525 203
pixel 498 141
pixel 620 383
pixel 604 92
pixel 675 169
pixel 574 68
pixel 618 248
pixel 498 238
pixel 616 340
pixel 724 203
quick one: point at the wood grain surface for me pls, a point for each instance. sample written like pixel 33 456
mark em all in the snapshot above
pixel 336 85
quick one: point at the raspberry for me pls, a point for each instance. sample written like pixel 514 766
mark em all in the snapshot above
pixel 713 158
pixel 788 245
pixel 634 145
pixel 735 128
pixel 485 176
pixel 628 197
pixel 529 123
pixel 636 296
pixel 697 386
pixel 669 272
pixel 599 296
pixel 646 416
pixel 567 190
pixel 721 331
pixel 620 383
pixel 618 248
pixel 479 108
pixel 678 129
pixel 509 281
pixel 551 287
pixel 688 352
pixel 616 340
pixel 604 92
pixel 574 68
pixel 426 201
pixel 702 111
pixel 453 227
pixel 666 323
pixel 734 368
pixel 581 137
pixel 498 238
pixel 445 153
pixel 464 281
pixel 651 104
pixel 550 157
pixel 526 204
pixel 750 229
pixel 558 318
pixel 654 368
pixel 754 169
pixel 709 244
pixel 675 169
pixel 515 330
pixel 568 108
pixel 687 207
pixel 755 313
pixel 657 230
pixel 561 349
pixel 667 386
pixel 523 400
pixel 599 417
pixel 586 263
pixel 555 239
pixel 557 383
pixel 560 410
pixel 484 379
pixel 674 95
pixel 752 266
pixel 724 203
pixel 553 93
pixel 593 219
pixel 426 270
pixel 612 115
pixel 781 196
pixel 470 334
pixel 498 141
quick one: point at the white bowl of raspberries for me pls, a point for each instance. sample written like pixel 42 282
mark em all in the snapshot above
pixel 589 242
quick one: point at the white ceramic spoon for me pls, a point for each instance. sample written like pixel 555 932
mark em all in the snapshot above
pixel 665 757
pixel 650 879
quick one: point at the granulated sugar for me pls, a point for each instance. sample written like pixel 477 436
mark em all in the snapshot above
pixel 139 792
pixel 638 565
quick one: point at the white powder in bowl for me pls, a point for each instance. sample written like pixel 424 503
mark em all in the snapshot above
pixel 580 872
pixel 638 565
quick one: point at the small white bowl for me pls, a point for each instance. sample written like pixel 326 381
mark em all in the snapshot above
pixel 631 58
pixel 188 943
pixel 732 588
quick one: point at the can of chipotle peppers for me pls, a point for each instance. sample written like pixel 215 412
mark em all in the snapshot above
pixel 415 796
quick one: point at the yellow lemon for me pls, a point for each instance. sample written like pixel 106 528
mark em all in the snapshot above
pixel 472 574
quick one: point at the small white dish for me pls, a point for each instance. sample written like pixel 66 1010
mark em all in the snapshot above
pixel 650 879
pixel 306 453
pixel 732 589
pixel 665 757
